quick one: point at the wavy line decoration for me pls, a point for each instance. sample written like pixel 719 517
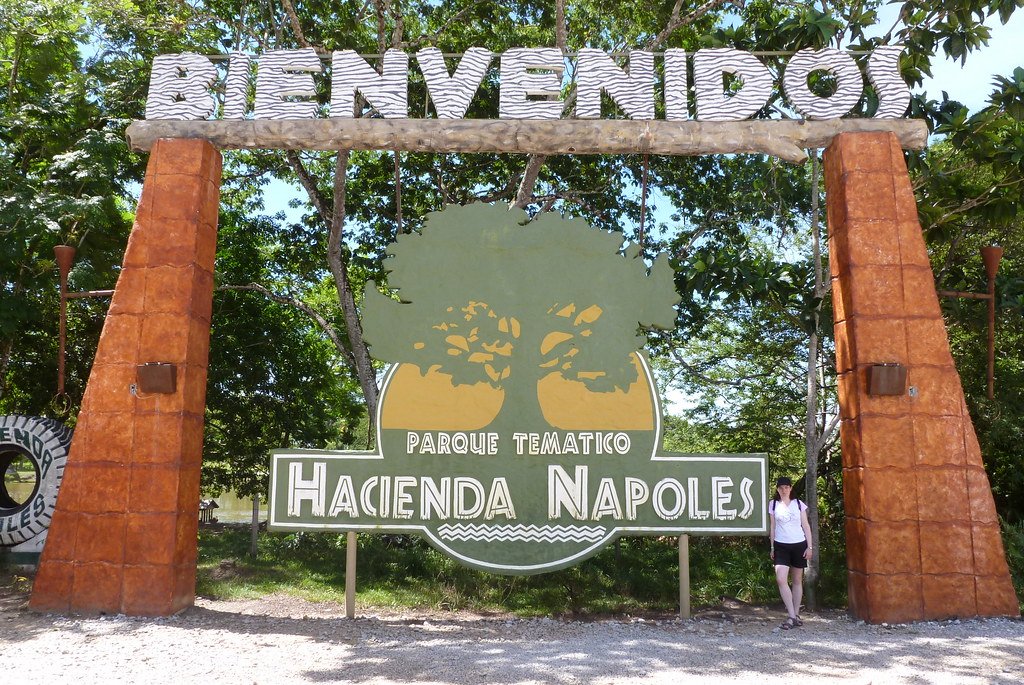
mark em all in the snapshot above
pixel 676 85
pixel 236 86
pixel 520 533
pixel 728 84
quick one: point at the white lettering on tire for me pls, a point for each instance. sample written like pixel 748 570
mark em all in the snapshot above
pixel 45 443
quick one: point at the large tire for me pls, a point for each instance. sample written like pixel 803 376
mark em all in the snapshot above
pixel 45 443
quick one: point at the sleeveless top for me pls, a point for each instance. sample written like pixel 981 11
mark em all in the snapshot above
pixel 787 520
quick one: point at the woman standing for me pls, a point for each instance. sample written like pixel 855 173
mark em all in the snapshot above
pixel 790 535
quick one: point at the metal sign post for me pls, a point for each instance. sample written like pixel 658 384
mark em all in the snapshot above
pixel 684 577
pixel 350 575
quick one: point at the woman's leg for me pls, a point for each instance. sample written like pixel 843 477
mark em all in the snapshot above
pixel 782 578
pixel 797 590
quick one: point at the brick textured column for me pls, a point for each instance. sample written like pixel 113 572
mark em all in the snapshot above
pixel 123 536
pixel 922 535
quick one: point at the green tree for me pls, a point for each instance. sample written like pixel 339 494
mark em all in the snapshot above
pixel 73 76
pixel 552 296
pixel 61 181
pixel 273 379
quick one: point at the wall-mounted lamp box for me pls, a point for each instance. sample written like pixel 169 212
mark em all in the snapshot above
pixel 887 379
pixel 157 377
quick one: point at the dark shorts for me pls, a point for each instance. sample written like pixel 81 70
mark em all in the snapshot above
pixel 791 554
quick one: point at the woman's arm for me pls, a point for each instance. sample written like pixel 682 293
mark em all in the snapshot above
pixel 806 525
pixel 771 533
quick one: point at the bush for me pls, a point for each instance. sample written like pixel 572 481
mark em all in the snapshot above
pixel 634 575
pixel 1013 539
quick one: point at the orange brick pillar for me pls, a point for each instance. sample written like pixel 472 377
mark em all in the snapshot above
pixel 123 536
pixel 922 535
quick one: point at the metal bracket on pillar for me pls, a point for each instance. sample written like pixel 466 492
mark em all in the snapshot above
pixel 991 256
pixel 65 256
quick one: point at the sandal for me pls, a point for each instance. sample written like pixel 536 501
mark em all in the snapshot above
pixel 796 622
pixel 788 624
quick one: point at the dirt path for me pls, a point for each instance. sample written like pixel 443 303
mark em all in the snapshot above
pixel 281 639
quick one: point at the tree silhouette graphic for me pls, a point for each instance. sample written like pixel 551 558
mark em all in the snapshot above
pixel 485 297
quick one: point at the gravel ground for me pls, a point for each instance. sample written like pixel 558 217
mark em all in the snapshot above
pixel 282 639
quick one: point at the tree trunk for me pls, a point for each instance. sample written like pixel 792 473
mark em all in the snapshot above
pixel 813 438
pixel 520 410
pixel 811 453
pixel 339 269
pixel 785 139
pixel 6 349
pixel 12 80
pixel 254 528
pixel 16 287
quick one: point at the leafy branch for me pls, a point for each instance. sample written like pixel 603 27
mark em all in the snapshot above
pixel 296 303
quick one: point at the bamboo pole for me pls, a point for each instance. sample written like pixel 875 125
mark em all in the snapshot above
pixel 787 139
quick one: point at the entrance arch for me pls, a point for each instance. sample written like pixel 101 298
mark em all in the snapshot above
pixel 923 539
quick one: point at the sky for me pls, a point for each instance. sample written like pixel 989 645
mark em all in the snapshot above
pixel 971 84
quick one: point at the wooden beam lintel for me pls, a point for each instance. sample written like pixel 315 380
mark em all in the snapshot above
pixel 787 139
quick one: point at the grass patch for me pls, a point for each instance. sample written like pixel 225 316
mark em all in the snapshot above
pixel 1013 540
pixel 637 575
